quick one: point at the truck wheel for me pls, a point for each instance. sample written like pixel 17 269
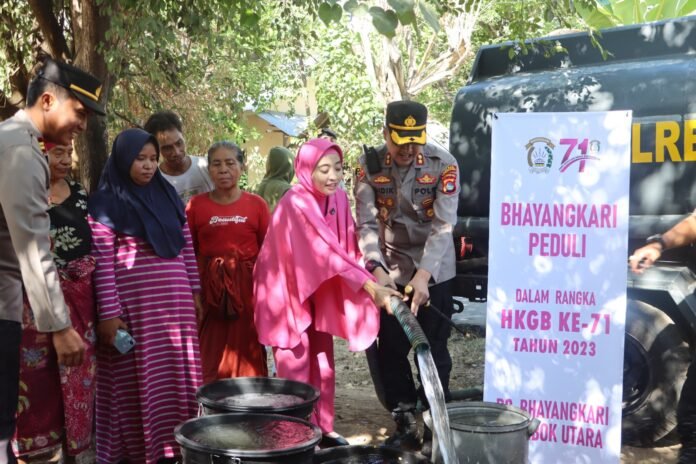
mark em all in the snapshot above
pixel 656 358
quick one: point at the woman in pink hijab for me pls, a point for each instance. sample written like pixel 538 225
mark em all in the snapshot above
pixel 308 283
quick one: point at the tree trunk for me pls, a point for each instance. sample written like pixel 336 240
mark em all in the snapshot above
pixel 54 40
pixel 91 145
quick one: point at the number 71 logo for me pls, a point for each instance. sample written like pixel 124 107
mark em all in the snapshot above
pixel 583 146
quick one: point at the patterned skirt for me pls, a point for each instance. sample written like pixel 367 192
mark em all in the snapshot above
pixel 57 402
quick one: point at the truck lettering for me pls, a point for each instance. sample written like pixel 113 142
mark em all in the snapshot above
pixel 667 134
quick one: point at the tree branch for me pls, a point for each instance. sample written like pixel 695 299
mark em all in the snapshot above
pixel 52 32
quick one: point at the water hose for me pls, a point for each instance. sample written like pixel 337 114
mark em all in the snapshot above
pixel 408 290
pixel 408 322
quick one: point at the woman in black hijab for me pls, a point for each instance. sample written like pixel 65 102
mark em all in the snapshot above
pixel 145 281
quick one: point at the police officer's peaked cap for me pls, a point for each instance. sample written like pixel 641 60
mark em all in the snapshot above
pixel 80 84
pixel 406 122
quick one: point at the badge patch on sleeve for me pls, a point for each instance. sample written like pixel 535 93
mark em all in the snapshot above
pixel 448 180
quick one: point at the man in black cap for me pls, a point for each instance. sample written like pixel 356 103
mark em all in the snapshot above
pixel 406 199
pixel 59 99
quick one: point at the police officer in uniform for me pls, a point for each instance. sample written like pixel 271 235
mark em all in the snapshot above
pixel 59 99
pixel 406 196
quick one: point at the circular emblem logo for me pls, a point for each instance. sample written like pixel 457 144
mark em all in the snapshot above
pixel 410 121
pixel 539 154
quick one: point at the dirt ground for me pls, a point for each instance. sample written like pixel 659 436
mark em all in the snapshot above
pixel 362 420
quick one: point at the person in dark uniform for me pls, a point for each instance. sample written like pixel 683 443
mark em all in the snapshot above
pixel 682 234
pixel 59 99
pixel 406 198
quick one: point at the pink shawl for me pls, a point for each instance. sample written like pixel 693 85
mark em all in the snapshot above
pixel 307 269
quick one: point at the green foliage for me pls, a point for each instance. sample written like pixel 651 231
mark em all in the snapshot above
pixel 430 15
pixel 210 60
pixel 17 38
pixel 208 73
pixel 513 20
pixel 517 21
pixel 608 13
pixel 330 12
pixel 385 21
pixel 405 10
pixel 345 92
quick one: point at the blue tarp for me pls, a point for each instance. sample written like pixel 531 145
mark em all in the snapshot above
pixel 290 125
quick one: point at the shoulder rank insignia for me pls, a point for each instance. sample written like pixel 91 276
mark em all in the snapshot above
pixel 420 159
pixel 387 159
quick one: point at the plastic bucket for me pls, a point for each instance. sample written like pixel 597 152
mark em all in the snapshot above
pixel 262 395
pixel 485 433
pixel 247 438
pixel 366 455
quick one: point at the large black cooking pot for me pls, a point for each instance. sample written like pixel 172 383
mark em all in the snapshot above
pixel 247 438
pixel 222 395
pixel 366 455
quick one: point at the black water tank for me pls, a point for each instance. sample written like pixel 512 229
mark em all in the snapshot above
pixel 649 68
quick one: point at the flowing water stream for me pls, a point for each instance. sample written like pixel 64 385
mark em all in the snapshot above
pixel 438 409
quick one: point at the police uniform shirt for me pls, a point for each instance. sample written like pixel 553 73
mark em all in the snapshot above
pixel 25 255
pixel 407 223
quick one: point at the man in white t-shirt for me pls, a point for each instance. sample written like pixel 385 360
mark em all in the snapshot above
pixel 188 174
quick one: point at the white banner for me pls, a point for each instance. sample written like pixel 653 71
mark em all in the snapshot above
pixel 557 278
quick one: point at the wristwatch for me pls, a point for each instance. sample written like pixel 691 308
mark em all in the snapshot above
pixel 657 238
pixel 373 264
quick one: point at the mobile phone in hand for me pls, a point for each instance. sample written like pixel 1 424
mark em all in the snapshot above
pixel 123 341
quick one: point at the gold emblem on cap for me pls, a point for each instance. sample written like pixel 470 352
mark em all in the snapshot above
pixel 84 92
pixel 410 121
